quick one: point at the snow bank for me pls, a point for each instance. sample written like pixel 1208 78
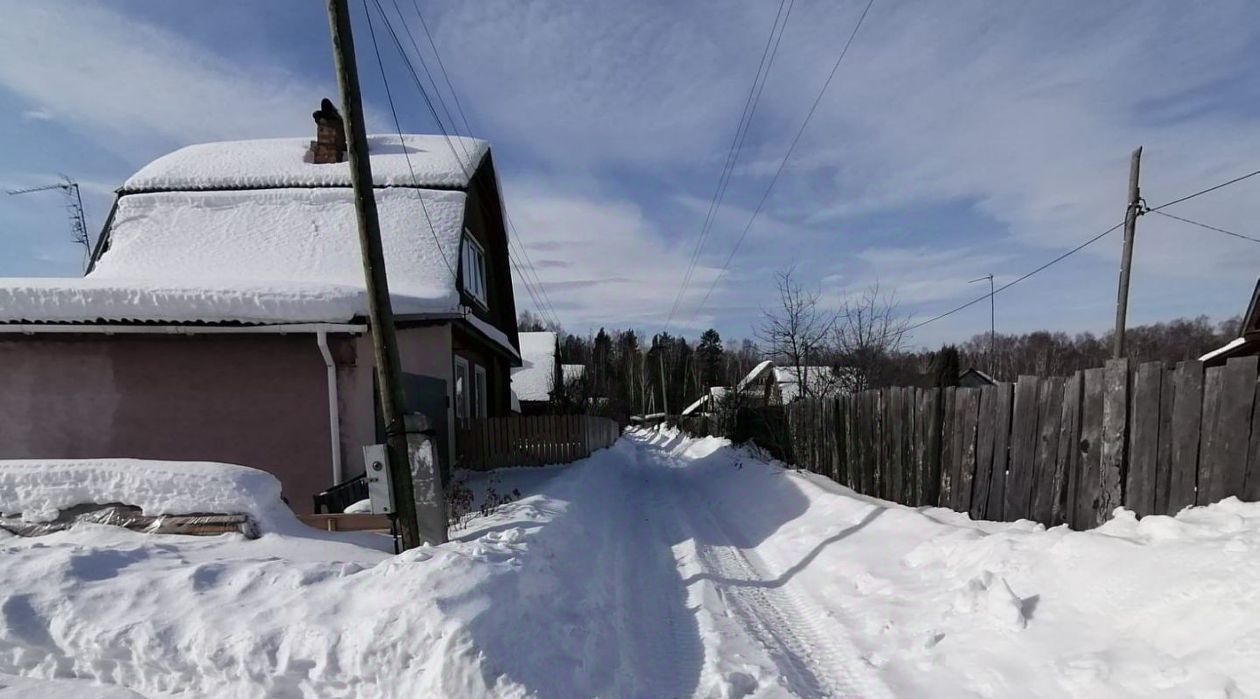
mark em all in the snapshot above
pixel 38 489
pixel 664 566
pixel 421 160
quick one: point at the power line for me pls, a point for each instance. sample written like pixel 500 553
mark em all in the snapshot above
pixel 398 126
pixel 442 67
pixel 1009 284
pixel 1204 225
pixel 1205 191
pixel 792 147
pixel 544 307
pixel 737 143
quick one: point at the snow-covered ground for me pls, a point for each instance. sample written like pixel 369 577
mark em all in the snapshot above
pixel 662 567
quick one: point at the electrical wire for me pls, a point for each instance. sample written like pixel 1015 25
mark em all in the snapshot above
pixel 1204 225
pixel 737 142
pixel 786 156
pixel 398 126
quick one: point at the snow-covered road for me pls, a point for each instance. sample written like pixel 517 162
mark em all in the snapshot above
pixel 662 567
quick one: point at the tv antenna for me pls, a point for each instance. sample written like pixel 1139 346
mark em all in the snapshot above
pixel 74 207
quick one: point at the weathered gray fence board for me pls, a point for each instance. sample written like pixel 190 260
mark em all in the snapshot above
pixel 1005 399
pixel 932 474
pixel 1115 431
pixel 1020 470
pixel 1088 476
pixel 986 426
pixel 1224 466
pixel 1186 422
pixel 1163 456
pixel 968 420
pixel 1139 492
pixel 1212 446
pixel 948 436
pixel 1251 483
pixel 1045 460
pixel 1069 449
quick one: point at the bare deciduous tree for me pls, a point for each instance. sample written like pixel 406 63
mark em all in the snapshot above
pixel 796 331
pixel 866 337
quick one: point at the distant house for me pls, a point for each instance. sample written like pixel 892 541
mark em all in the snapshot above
pixel 224 315
pixel 536 381
pixel 1248 342
pixel 777 385
pixel 974 378
pixel 708 403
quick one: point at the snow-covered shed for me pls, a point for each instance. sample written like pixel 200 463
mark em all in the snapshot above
pixel 537 379
pixel 224 313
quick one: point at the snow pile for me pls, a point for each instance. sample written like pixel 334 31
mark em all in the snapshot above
pixel 420 160
pixel 662 567
pixel 536 378
pixel 289 255
pixel 38 489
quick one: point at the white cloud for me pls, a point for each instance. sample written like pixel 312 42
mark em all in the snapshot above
pixel 603 262
pixel 131 83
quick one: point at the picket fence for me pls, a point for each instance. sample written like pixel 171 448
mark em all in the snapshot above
pixel 1056 450
pixel 536 440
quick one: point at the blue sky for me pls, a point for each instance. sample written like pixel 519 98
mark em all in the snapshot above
pixel 957 139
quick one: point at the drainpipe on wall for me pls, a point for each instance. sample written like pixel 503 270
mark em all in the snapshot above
pixel 334 414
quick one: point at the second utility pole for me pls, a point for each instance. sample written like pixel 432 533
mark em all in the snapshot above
pixel 380 311
pixel 1126 258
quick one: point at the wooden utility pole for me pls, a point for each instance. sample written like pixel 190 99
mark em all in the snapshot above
pixel 664 400
pixel 1126 258
pixel 380 311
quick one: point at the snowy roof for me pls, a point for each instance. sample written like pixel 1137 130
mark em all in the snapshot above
pixel 535 379
pixel 416 160
pixel 572 372
pixel 821 380
pixel 1233 344
pixel 259 256
pixel 716 393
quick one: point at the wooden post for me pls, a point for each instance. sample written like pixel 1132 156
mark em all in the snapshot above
pixel 1126 259
pixel 380 312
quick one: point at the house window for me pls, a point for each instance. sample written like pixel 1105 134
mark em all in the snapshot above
pixel 461 389
pixel 474 268
pixel 479 392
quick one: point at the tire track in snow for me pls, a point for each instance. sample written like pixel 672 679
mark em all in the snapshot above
pixel 659 637
pixel 813 659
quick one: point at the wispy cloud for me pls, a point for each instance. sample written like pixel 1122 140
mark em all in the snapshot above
pixel 130 84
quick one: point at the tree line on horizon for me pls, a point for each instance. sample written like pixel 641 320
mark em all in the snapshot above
pixel 626 368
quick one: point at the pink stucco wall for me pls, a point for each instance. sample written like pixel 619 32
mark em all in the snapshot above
pixel 259 400
pixel 256 400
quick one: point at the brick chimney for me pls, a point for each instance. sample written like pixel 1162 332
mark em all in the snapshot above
pixel 329 145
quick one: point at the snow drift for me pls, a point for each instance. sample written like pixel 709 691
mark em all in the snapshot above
pixel 38 489
pixel 662 567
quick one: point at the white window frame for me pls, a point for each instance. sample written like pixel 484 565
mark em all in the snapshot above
pixel 479 391
pixel 473 263
pixel 460 391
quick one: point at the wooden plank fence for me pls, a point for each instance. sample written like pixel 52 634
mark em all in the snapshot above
pixel 537 440
pixel 1057 450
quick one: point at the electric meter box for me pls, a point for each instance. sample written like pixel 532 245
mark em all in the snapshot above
pixel 380 487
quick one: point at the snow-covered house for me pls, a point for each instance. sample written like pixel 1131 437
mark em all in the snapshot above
pixel 224 314
pixel 777 385
pixel 536 380
pixel 1248 342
